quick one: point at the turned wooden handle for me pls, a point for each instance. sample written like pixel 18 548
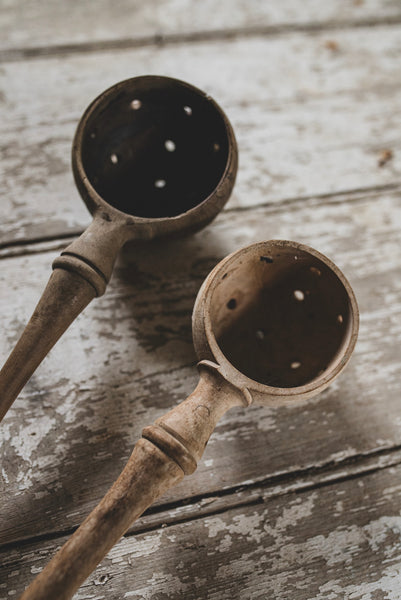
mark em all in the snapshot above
pixel 80 273
pixel 169 449
pixel 146 476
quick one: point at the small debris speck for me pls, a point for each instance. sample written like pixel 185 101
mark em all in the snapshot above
pixel 384 157
pixel 332 45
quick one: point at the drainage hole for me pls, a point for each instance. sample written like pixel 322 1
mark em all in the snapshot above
pixel 169 145
pixel 160 183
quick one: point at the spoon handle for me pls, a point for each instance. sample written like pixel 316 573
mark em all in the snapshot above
pixel 147 475
pixel 80 273
pixel 64 297
pixel 168 450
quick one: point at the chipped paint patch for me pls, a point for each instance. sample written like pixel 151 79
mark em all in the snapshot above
pixel 165 583
pixel 299 510
pixel 145 546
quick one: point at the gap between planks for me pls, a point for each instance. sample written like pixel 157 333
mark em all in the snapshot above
pixel 245 495
pixel 158 40
pixel 340 540
pixel 43 244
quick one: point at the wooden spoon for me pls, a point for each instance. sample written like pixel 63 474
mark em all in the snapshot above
pixel 273 323
pixel 152 157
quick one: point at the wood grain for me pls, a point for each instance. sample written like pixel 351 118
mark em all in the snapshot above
pixel 129 357
pixel 338 541
pixel 319 129
pixel 35 27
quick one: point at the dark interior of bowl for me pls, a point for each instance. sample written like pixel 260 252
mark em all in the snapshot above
pixel 155 147
pixel 282 318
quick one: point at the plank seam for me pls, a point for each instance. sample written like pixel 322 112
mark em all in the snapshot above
pixel 281 478
pixel 337 197
pixel 159 40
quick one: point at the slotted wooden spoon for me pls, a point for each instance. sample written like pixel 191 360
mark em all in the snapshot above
pixel 273 323
pixel 152 157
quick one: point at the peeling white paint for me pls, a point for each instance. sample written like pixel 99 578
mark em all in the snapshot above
pixel 389 584
pixel 298 511
pixel 166 583
pixel 146 546
pixel 3 472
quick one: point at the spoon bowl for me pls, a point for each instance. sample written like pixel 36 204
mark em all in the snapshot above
pixel 279 318
pixel 158 150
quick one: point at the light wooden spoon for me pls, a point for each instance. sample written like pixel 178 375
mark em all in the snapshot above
pixel 273 323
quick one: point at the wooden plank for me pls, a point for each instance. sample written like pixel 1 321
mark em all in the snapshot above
pixel 129 358
pixel 320 129
pixel 339 541
pixel 251 493
pixel 29 25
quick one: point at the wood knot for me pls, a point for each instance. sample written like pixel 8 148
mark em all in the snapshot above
pixel 203 411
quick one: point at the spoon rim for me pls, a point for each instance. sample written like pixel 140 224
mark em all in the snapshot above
pixel 207 347
pixel 202 213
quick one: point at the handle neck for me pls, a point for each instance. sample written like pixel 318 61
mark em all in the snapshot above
pixel 93 254
pixel 80 273
pixel 183 432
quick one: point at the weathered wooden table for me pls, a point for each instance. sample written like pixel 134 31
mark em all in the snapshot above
pixel 291 503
